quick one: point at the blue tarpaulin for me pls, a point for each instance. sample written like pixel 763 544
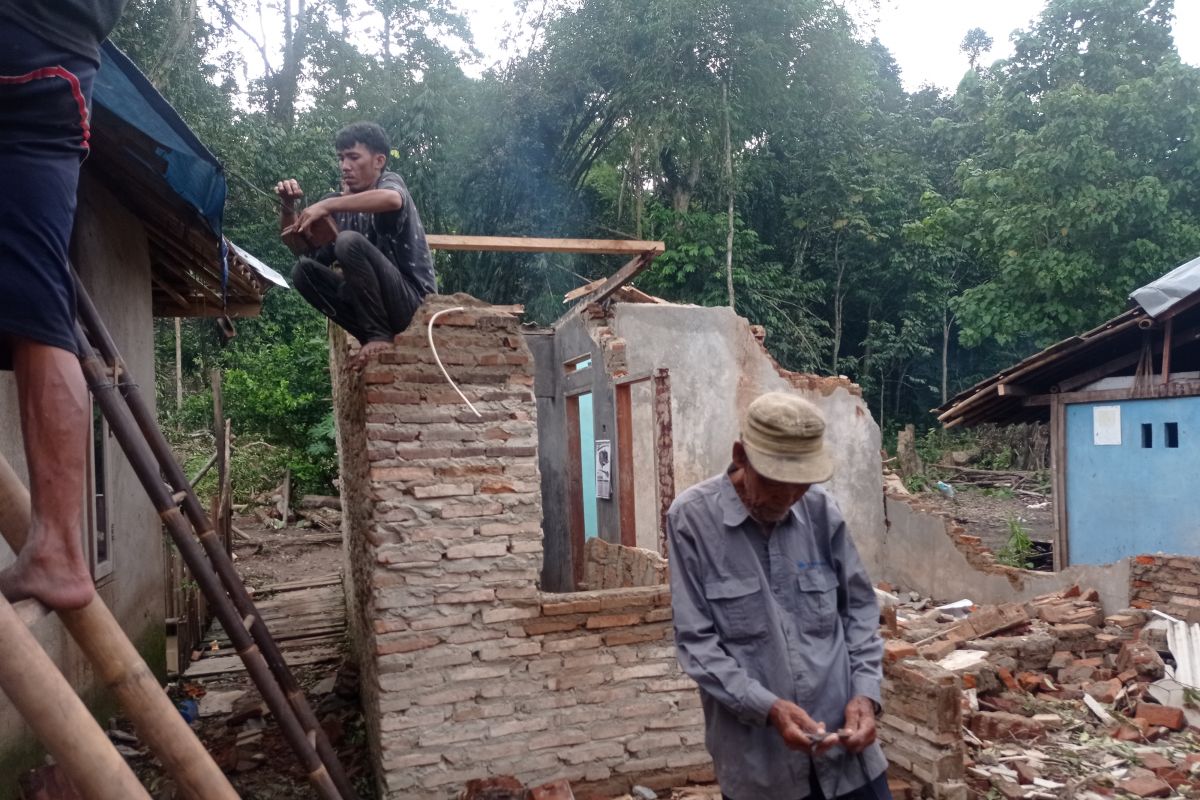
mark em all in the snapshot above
pixel 192 172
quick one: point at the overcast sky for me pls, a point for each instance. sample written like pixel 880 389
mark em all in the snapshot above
pixel 923 35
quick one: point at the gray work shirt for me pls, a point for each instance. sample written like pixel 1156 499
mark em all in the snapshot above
pixel 792 618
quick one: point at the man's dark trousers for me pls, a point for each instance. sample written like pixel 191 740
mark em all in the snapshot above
pixel 371 298
pixel 875 790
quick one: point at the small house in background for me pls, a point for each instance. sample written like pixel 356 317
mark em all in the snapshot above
pixel 147 243
pixel 1123 404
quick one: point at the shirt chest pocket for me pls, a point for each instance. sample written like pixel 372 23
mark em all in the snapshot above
pixel 738 607
pixel 817 602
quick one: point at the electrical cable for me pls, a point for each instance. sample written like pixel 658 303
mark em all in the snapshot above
pixel 438 359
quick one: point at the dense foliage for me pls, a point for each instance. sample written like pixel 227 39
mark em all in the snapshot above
pixel 914 241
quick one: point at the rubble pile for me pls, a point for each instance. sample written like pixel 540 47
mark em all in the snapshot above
pixel 1058 700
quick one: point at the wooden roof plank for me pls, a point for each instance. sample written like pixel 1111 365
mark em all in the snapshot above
pixel 517 244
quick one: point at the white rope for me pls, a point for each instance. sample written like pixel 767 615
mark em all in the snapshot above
pixel 438 359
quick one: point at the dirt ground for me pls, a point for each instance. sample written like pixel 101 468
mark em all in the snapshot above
pixel 252 752
pixel 246 744
pixel 988 513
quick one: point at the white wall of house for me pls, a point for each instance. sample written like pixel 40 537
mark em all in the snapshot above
pixel 111 253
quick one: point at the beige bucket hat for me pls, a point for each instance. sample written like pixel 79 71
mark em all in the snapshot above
pixel 784 439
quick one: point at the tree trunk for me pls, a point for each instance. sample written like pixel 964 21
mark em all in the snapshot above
pixel 838 297
pixel 946 322
pixel 182 21
pixel 639 200
pixel 729 184
pixel 906 450
pixel 287 84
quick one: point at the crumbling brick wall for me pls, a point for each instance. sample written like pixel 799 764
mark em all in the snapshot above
pixel 921 729
pixel 613 566
pixel 1168 583
pixel 468 670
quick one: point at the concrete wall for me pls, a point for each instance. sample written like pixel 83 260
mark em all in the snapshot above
pixel 717 368
pixel 924 551
pixel 111 253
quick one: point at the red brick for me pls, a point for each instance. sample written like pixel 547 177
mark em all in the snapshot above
pixel 1025 772
pixel 1006 677
pixel 613 621
pixel 1146 786
pixel 1001 726
pixel 1060 659
pixel 1166 716
pixel 894 650
pixel 556 790
pixel 1155 762
pixel 1104 691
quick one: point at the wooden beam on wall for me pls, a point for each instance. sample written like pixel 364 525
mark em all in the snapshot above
pixel 621 277
pixel 1058 472
pixel 517 244
pixel 626 480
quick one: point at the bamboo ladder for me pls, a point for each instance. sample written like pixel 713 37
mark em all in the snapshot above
pixel 58 717
pixel 135 428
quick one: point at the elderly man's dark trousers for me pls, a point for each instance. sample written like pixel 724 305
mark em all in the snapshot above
pixel 371 298
pixel 875 790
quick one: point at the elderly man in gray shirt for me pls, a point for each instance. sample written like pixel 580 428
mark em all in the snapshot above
pixel 776 619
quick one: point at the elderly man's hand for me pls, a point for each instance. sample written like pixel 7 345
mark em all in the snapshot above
pixel 798 729
pixel 859 732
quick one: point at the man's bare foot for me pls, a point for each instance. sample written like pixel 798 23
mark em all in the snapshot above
pixel 369 349
pixel 54 582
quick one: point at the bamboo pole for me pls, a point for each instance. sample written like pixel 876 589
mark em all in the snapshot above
pixel 58 717
pixel 137 445
pixel 154 456
pixel 123 671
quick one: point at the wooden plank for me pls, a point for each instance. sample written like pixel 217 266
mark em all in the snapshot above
pixel 621 277
pixel 1011 390
pixel 1166 353
pixel 516 244
pixel 1058 472
pixel 575 490
pixel 1173 389
pixel 314 583
pixel 626 480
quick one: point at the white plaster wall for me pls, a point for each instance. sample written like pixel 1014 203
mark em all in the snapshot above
pixel 918 554
pixel 111 253
pixel 717 368
pixel 645 505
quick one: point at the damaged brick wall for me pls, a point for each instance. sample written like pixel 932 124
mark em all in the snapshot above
pixel 468 670
pixel 1168 583
pixel 443 524
pixel 614 566
pixel 921 729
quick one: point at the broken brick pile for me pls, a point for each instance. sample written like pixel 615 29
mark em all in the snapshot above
pixel 1057 698
pixel 1168 583
pixel 613 566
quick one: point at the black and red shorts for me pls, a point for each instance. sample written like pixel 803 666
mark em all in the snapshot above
pixel 45 96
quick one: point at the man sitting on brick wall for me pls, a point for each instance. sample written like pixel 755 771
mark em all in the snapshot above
pixel 385 265
pixel 776 619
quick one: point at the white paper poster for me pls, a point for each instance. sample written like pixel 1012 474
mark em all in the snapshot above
pixel 604 469
pixel 1106 425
